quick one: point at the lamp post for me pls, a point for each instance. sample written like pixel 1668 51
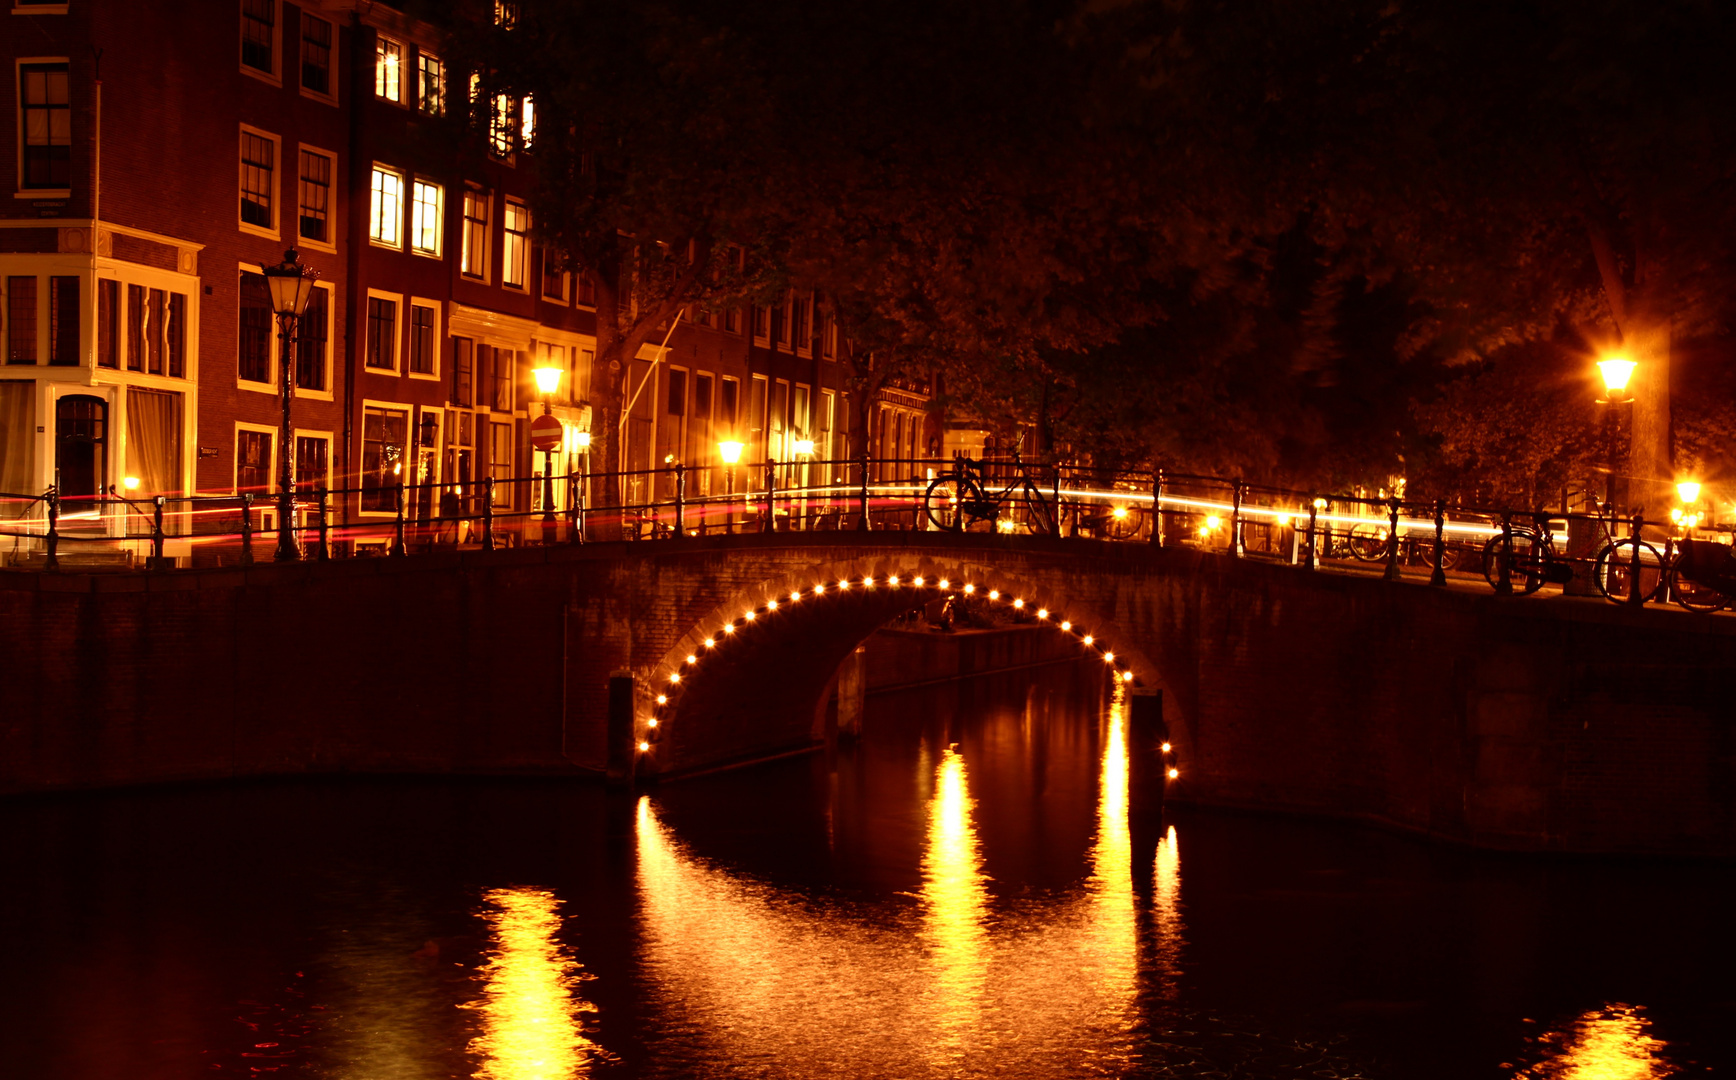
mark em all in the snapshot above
pixel 1616 372
pixel 548 380
pixel 730 451
pixel 291 286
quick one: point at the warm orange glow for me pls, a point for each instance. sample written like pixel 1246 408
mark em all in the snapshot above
pixel 1087 639
pixel 1616 371
pixel 794 596
pixel 1119 513
pixel 955 904
pixel 943 583
pixel 1688 491
pixel 675 677
pixel 644 746
pixel 691 659
pixel 1213 521
pixel 844 583
pixel 711 643
pixel 818 589
pixel 968 589
pixel 994 594
pixel 1109 658
pixel 919 583
pixel 750 616
pixel 730 451
pixel 1319 504
pixel 662 699
pixel 729 628
pixel 867 583
pixel 530 1008
pixel 1127 676
pixel 1164 748
pixel 1005 525
pixel 1173 773
pixel 131 483
pixel 893 580
pixel 1610 1043
pixel 651 722
pixel 1042 613
pixel 1065 625
pixel 771 605
pixel 1019 603
pixel 548 380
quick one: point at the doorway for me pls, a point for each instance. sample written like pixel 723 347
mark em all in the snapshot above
pixel 81 451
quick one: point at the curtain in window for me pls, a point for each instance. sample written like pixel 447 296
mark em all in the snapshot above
pixel 17 428
pixel 154 441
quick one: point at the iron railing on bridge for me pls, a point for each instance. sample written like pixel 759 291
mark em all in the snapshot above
pixel 1352 532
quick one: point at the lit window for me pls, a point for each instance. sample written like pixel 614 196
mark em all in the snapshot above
pixel 388 65
pixel 505 14
pixel 316 193
pixel 514 257
pixel 384 432
pixel 258 170
pixel 503 125
pixel 386 208
pixel 316 54
pixel 46 125
pixel 252 462
pixel 425 203
pixel 474 260
pixel 259 34
pixel 527 124
pixel 431 94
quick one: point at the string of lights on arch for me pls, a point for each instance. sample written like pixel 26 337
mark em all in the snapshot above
pixel 671 683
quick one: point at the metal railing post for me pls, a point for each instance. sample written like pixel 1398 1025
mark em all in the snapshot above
pixel 398 548
pixel 1392 573
pixel 246 529
pixel 575 492
pixel 324 552
pixel 1635 597
pixel 53 537
pixel 488 513
pixel 157 541
pixel 770 522
pixel 680 499
pixel 1438 576
pixel 1313 562
pixel 862 524
pixel 1236 519
pixel 1504 573
pixel 1157 508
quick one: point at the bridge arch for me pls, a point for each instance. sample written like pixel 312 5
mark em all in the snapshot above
pixel 746 679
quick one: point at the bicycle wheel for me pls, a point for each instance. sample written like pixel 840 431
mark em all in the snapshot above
pixel 1691 594
pixel 1039 518
pixel 1524 569
pixel 1613 570
pixel 1367 542
pixel 952 501
pixel 1123 523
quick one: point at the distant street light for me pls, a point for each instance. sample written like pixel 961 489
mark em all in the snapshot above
pixel 730 451
pixel 548 380
pixel 291 286
pixel 1689 492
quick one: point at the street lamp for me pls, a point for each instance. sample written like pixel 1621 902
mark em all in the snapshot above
pixel 1616 372
pixel 730 451
pixel 1689 492
pixel 548 380
pixel 291 286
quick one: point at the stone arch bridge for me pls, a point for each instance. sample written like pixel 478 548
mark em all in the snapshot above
pixel 1528 723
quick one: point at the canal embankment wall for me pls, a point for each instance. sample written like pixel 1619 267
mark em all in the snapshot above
pixel 1519 723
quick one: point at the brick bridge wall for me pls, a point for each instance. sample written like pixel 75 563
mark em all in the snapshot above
pixel 1505 722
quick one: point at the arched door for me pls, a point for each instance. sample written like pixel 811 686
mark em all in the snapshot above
pixel 81 448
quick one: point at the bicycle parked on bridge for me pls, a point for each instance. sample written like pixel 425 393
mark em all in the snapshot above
pixel 1524 558
pixel 963 499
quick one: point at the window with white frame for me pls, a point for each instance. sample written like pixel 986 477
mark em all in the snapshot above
pixel 424 337
pixel 431 84
pixel 253 337
pixel 473 261
pixel 313 453
pixel 385 434
pixel 382 333
pixel 258 182
pixel 315 200
pixel 554 279
pixel 503 125
pixel 44 126
pixel 426 201
pixel 316 56
pixel 259 36
pixel 313 343
pixel 386 207
pixel 515 256
pixel 388 69
pixel 253 461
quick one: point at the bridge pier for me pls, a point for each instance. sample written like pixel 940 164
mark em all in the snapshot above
pixel 623 746
pixel 852 692
pixel 1147 766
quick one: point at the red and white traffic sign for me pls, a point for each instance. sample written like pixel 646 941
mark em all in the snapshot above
pixel 545 433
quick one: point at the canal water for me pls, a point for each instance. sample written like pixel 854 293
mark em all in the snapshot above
pixel 953 897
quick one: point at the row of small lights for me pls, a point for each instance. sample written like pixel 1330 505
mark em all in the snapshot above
pixel 675 678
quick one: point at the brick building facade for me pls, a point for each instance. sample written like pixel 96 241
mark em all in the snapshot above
pixel 163 153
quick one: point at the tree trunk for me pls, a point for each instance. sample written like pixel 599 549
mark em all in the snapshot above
pixel 1650 461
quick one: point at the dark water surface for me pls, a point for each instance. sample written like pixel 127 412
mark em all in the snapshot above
pixel 952 898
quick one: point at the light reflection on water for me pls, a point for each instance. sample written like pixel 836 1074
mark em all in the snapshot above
pixel 530 1006
pixel 1611 1043
pixel 962 985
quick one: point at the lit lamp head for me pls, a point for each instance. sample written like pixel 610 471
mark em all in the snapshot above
pixel 582 440
pixel 803 446
pixel 1689 492
pixel 131 483
pixel 730 451
pixel 1616 372
pixel 548 380
pixel 291 285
